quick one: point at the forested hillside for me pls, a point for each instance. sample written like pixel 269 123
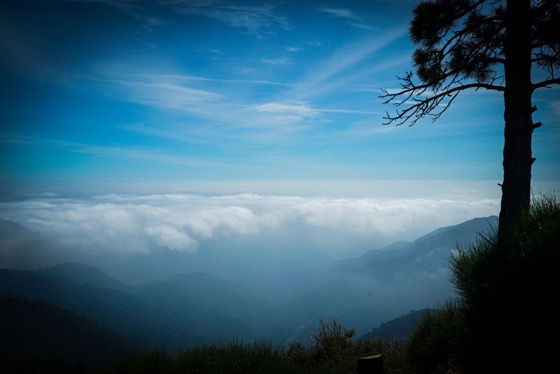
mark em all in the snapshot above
pixel 41 331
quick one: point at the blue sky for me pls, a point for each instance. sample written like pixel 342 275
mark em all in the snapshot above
pixel 126 92
pixel 183 132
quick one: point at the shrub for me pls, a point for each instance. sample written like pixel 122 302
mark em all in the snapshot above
pixel 435 343
pixel 509 291
pixel 331 347
pixel 236 357
pixel 507 301
pixel 333 350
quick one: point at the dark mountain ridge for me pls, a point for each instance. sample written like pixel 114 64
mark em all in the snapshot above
pixel 41 330
pixel 160 313
pixel 84 274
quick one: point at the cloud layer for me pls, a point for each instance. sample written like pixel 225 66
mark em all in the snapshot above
pixel 332 227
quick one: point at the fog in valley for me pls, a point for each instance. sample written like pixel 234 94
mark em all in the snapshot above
pixel 248 237
pixel 293 260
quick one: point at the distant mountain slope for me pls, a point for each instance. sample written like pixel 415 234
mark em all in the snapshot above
pixel 42 330
pixel 399 328
pixel 214 310
pixel 379 285
pixel 196 308
pixel 444 237
pixel 183 311
pixel 84 274
pixel 119 311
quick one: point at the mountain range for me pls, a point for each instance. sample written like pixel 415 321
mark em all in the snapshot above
pixel 190 309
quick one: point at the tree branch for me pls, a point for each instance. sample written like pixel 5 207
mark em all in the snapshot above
pixel 545 83
pixel 423 107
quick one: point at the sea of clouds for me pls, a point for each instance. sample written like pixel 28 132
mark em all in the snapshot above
pixel 327 228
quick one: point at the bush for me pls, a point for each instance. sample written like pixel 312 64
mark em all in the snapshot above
pixel 435 343
pixel 333 350
pixel 236 357
pixel 507 301
pixel 332 343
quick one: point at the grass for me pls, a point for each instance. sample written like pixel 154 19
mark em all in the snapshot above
pixel 333 351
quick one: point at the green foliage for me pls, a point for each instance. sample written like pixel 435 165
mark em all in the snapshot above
pixel 508 289
pixel 332 341
pixel 236 357
pixel 332 347
pixel 507 302
pixel 333 351
pixel 435 345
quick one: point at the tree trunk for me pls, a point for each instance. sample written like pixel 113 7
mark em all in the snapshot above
pixel 517 162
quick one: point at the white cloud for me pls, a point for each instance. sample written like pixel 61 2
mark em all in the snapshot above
pixel 341 61
pixel 254 20
pixel 170 237
pixel 276 61
pixel 339 12
pixel 285 117
pixel 222 112
pixel 334 227
pixel 302 109
pixel 170 95
pixel 346 14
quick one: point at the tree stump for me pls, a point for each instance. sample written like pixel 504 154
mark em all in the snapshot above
pixel 370 365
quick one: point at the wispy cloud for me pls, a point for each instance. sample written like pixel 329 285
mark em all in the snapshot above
pixel 351 111
pixel 181 93
pixel 339 12
pixel 185 78
pixel 300 109
pixel 342 60
pixel 168 95
pixel 293 49
pixel 196 95
pixel 256 20
pixel 349 16
pixel 276 61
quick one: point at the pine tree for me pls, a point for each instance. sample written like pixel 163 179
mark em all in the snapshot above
pixel 484 44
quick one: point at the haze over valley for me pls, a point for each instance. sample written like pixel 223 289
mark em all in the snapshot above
pixel 257 266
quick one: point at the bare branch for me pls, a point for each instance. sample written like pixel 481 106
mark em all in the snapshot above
pixel 545 83
pixel 423 107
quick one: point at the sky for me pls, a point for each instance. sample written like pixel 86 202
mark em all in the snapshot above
pixel 180 119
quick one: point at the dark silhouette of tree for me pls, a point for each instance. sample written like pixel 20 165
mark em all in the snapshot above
pixel 485 44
